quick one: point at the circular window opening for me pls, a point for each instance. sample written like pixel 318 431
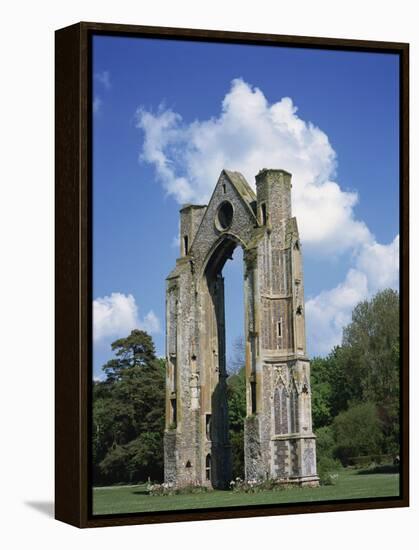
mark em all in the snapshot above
pixel 225 215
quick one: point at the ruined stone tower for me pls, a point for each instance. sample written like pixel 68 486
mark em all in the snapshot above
pixel 279 442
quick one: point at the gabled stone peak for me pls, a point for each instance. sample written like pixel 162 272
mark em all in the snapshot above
pixel 241 185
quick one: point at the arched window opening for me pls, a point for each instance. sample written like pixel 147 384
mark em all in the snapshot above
pixel 208 468
pixel 294 411
pixel 279 334
pixel 208 426
pixel 263 213
pixel 173 413
pixel 253 395
pixel 281 410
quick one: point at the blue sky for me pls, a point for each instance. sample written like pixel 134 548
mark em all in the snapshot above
pixel 169 115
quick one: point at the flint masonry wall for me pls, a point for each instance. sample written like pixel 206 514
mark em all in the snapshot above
pixel 278 435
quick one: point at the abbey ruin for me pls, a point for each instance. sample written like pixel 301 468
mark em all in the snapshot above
pixel 279 442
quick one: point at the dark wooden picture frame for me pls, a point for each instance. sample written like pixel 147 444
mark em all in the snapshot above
pixel 73 247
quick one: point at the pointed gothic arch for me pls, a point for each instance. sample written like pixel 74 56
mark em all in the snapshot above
pixel 281 410
pixel 262 225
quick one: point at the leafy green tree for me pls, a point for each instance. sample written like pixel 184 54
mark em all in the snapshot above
pixel 136 350
pixel 372 336
pixel 113 467
pixel 145 457
pixel 366 367
pixel 321 392
pixel 325 442
pixel 128 413
pixel 373 341
pixel 236 398
pixel 357 432
pixel 236 395
pixel 327 465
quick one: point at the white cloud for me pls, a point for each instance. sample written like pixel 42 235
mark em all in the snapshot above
pixel 380 263
pixel 326 220
pixel 247 135
pixel 376 268
pixel 116 315
pixel 97 104
pixel 150 323
pixel 104 78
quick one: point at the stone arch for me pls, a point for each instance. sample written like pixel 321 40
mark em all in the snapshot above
pixel 294 421
pixel 220 250
pixel 212 343
pixel 281 410
pixel 262 224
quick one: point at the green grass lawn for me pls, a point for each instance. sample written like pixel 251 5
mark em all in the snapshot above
pixel 350 485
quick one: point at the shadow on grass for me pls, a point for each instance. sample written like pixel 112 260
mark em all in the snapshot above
pixel 381 469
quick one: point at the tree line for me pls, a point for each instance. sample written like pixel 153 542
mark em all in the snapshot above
pixel 356 388
pixel 355 399
pixel 128 414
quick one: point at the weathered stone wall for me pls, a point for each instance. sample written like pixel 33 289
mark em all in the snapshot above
pixel 255 468
pixel 190 218
pixel 209 235
pixel 170 466
pixel 278 434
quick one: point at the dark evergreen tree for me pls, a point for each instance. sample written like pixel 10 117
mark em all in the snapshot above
pixel 128 413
